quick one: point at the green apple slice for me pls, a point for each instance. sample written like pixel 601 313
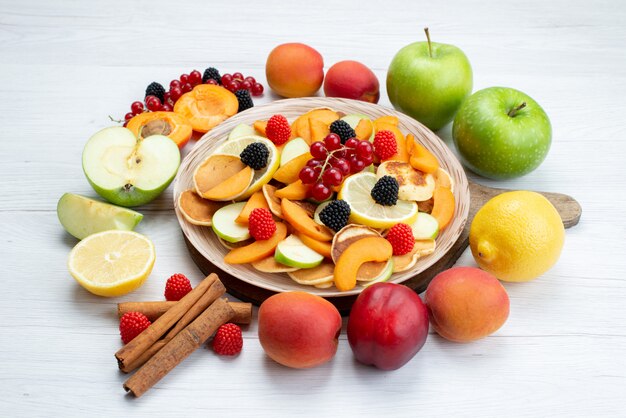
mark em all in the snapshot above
pixel 382 277
pixel 292 252
pixel 241 130
pixel 82 216
pixel 354 119
pixel 425 226
pixel 224 224
pixel 293 149
pixel 318 209
pixel 128 171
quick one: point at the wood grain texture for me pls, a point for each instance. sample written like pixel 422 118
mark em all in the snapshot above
pixel 67 65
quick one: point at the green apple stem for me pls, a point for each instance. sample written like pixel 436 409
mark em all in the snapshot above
pixel 430 48
pixel 514 111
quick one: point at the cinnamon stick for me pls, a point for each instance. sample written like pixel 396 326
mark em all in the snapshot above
pixel 216 290
pixel 135 348
pixel 153 310
pixel 180 347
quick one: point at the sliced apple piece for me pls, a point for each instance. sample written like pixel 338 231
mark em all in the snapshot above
pixel 257 200
pixel 224 224
pixel 292 252
pixel 425 226
pixel 302 221
pixel 128 171
pixel 82 216
pixel 292 149
pixel 258 250
pixel 196 210
pixel 243 129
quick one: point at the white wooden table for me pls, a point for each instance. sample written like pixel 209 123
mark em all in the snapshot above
pixel 66 65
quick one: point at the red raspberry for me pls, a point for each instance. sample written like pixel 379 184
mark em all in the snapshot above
pixel 132 324
pixel 401 238
pixel 261 224
pixel 385 144
pixel 278 130
pixel 176 287
pixel 228 340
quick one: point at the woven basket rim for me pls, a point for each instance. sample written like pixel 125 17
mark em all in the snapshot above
pixel 203 239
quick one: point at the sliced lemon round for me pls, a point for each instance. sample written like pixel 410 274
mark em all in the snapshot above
pixel 262 176
pixel 356 191
pixel 112 263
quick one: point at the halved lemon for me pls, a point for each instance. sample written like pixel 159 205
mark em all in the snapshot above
pixel 112 263
pixel 356 191
pixel 262 176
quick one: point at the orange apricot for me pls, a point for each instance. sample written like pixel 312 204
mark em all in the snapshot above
pixel 206 105
pixel 260 126
pixel 402 154
pixel 302 222
pixel 361 251
pixel 443 207
pixel 232 187
pixel 389 119
pixel 257 200
pixel 320 247
pixel 291 170
pixel 258 250
pixel 364 129
pixel 319 130
pixel 294 191
pixel 420 158
pixel 170 124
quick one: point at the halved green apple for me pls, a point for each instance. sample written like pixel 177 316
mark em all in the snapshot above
pixel 224 225
pixel 129 171
pixel 293 252
pixel 82 216
pixel 425 226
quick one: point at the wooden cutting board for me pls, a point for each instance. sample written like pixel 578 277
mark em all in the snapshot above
pixel 568 208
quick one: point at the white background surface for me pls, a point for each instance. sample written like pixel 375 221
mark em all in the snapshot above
pixel 66 65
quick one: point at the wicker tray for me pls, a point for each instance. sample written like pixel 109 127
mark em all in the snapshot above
pixel 204 243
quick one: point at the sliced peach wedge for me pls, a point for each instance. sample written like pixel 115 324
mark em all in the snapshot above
pixel 303 222
pixel 258 250
pixel 362 251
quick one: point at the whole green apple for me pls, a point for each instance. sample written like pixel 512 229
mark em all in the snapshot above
pixel 502 133
pixel 428 81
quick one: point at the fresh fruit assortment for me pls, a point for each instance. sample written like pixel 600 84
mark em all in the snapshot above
pixel 327 199
pixel 309 196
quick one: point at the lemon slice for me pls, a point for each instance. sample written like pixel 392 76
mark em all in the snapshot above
pixel 112 263
pixel 356 191
pixel 261 177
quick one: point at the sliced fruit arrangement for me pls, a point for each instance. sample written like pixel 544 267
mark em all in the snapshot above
pixel 329 199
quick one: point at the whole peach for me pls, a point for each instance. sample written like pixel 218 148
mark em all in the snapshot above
pixel 352 80
pixel 466 303
pixel 294 70
pixel 300 330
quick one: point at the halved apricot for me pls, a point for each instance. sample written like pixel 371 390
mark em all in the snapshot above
pixel 302 221
pixel 443 207
pixel 364 129
pixel 258 250
pixel 294 191
pixel 320 247
pixel 402 154
pixel 232 187
pixel 389 119
pixel 290 172
pixel 420 158
pixel 170 124
pixel 361 251
pixel 260 126
pixel 214 170
pixel 319 130
pixel 257 200
pixel 206 105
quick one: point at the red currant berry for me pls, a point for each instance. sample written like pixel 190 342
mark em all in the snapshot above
pixel 246 85
pixel 332 142
pixel 257 89
pixel 251 80
pixel 211 81
pixel 150 97
pixel 320 192
pixel 128 116
pixel 238 76
pixel 314 163
pixel 226 78
pixel 234 85
pixel 341 165
pixel 318 150
pixel 352 143
pixel 136 108
pixel 174 83
pixel 368 160
pixel 125 123
pixel 364 149
pixel 186 88
pixel 175 93
pixel 195 78
pixel 167 107
pixel 184 79
pixel 153 104
pixel 356 165
pixel 166 97
pixel 332 177
pixel 307 175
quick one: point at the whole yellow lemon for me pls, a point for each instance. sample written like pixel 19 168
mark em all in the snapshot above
pixel 517 236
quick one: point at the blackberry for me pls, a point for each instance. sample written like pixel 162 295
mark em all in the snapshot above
pixel 212 73
pixel 385 191
pixel 343 129
pixel 244 99
pixel 255 155
pixel 335 215
pixel 155 89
